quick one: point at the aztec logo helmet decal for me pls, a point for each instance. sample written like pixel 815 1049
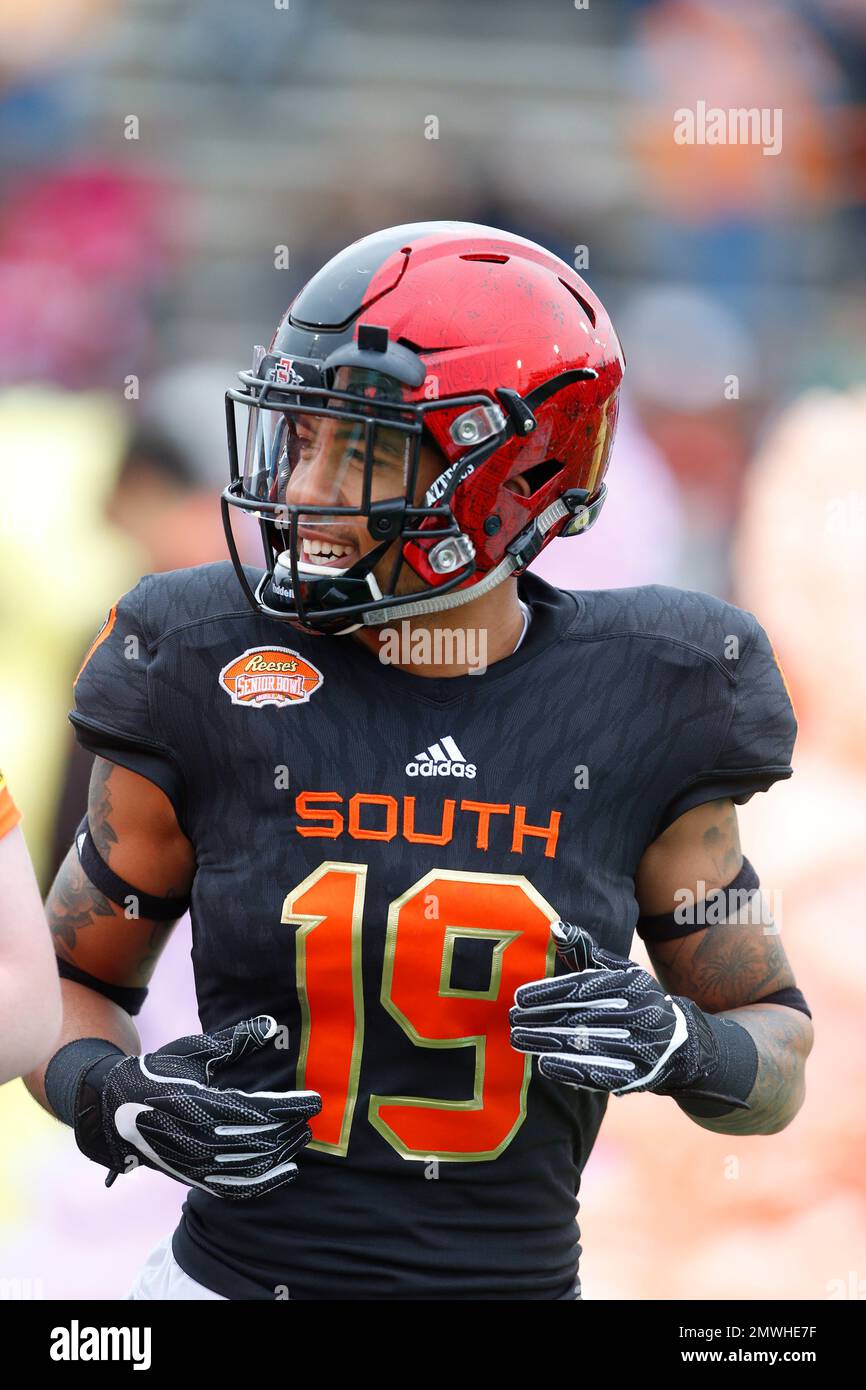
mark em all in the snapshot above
pixel 442 759
pixel 270 676
pixel 283 372
pixel 438 486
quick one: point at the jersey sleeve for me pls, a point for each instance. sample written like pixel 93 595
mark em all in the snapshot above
pixel 113 714
pixel 9 813
pixel 759 738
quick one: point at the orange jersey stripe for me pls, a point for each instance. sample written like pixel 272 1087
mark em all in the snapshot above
pixel 9 813
pixel 784 677
pixel 104 631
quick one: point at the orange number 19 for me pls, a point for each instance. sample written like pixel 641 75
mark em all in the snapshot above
pixel 424 924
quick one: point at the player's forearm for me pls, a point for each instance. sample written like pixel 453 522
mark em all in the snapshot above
pixel 86 1014
pixel 29 989
pixel 30 1008
pixel 783 1038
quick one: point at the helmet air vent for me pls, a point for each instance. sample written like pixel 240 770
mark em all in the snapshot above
pixel 585 306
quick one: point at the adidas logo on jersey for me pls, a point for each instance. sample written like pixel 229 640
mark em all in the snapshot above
pixel 442 759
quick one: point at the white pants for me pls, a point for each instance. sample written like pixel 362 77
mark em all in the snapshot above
pixel 161 1277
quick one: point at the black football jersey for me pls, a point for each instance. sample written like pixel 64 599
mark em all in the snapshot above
pixel 379 857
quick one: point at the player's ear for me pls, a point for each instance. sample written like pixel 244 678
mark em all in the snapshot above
pixel 520 485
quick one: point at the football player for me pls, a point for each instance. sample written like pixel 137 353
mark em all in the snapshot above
pixel 30 1004
pixel 414 876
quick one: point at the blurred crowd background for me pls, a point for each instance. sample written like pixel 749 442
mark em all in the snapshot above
pixel 171 171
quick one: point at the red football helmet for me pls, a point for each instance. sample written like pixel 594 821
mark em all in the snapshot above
pixel 478 340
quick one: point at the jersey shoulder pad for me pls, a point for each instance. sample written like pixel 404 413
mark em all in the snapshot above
pixel 715 668
pixel 114 713
pixel 759 727
pixel 183 598
pixel 661 612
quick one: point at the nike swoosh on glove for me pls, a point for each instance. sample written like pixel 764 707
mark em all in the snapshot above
pixel 171 1110
pixel 609 1026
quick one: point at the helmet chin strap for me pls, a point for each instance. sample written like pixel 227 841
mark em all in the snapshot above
pixel 439 603
pixel 519 554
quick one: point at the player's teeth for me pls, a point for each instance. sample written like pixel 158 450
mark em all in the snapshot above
pixel 324 549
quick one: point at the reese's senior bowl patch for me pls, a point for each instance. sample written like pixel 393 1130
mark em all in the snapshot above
pixel 270 676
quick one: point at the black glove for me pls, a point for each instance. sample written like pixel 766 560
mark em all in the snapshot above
pixel 609 1026
pixel 171 1110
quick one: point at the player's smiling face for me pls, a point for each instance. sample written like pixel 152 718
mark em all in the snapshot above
pixel 328 471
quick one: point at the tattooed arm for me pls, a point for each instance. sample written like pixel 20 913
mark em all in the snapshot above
pixel 726 968
pixel 135 830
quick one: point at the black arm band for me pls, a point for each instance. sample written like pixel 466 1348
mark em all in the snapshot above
pixel 114 888
pixel 792 998
pixel 728 1085
pixel 67 1068
pixel 126 997
pixel 713 910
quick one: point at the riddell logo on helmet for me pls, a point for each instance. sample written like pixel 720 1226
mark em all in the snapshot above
pixel 270 676
pixel 442 759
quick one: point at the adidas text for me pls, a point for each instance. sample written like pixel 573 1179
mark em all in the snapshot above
pixel 442 759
